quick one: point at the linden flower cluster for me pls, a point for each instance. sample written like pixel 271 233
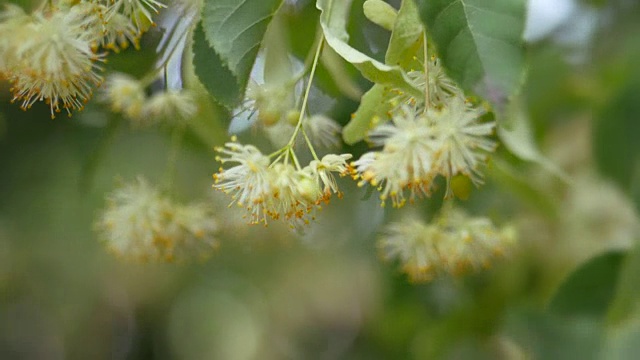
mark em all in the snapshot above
pixel 277 189
pixel 142 224
pixel 52 54
pixel 453 244
pixel 127 95
pixel 423 142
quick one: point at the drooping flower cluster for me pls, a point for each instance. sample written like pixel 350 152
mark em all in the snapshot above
pixel 420 143
pixel 127 95
pixel 142 224
pixel 453 244
pixel 53 55
pixel 277 189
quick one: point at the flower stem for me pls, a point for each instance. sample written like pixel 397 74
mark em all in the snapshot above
pixel 306 93
pixel 170 171
pixel 427 98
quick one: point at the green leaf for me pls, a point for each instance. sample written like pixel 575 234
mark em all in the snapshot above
pixel 373 104
pixel 210 69
pixel 615 141
pixel 516 134
pixel 479 42
pixel 235 29
pixel 406 40
pixel 590 289
pixel 333 21
pixel 627 296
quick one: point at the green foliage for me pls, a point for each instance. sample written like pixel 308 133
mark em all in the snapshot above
pixel 212 72
pixel 404 44
pixel 234 29
pixel 480 43
pixel 615 143
pixel 333 21
pixel 590 289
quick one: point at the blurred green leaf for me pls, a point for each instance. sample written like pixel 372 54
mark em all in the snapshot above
pixel 516 134
pixel 615 141
pixel 235 29
pixel 548 336
pixel 590 289
pixel 627 295
pixel 479 42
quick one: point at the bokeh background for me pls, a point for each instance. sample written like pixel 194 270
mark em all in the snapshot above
pixel 568 290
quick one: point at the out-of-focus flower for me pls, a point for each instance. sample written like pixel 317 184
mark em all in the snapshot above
pixel 142 224
pixel 171 106
pixel 453 244
pixel 126 95
pixel 464 141
pixel 322 131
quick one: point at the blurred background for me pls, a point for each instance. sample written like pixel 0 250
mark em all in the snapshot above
pixel 566 291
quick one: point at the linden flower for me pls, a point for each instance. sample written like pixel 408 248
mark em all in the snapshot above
pixel 12 20
pixel 322 170
pixel 249 182
pixel 464 141
pixel 54 63
pixel 126 95
pixel 406 160
pixel 174 106
pixel 441 87
pixel 276 190
pixel 114 33
pixel 294 194
pixel 196 226
pixel 453 244
pixel 141 224
pixel 139 11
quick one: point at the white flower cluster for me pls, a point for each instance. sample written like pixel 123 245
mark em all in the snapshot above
pixel 142 224
pixel 127 95
pixel 453 244
pixel 421 143
pixel 52 54
pixel 276 189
